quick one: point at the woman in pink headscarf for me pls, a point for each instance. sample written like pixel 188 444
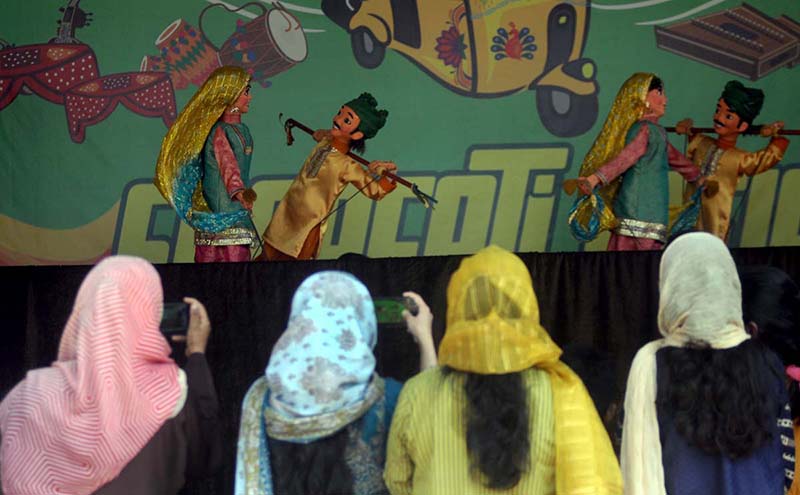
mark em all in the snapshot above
pixel 114 413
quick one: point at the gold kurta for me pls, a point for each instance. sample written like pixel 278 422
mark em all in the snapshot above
pixel 726 166
pixel 311 196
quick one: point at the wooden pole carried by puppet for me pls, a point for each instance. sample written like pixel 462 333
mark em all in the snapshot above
pixel 427 200
pixel 751 131
pixel 571 185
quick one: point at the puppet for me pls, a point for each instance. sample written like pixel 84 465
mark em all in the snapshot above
pixel 630 160
pixel 204 166
pixel 720 160
pixel 299 221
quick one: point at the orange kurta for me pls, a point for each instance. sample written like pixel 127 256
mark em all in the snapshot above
pixel 725 165
pixel 311 196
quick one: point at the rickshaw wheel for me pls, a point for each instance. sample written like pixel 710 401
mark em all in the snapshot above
pixel 368 51
pixel 564 113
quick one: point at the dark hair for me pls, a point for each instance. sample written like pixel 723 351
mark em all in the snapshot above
pixel 318 467
pixel 496 419
pixel 722 400
pixel 596 369
pixel 771 300
pixel 655 83
pixel 358 145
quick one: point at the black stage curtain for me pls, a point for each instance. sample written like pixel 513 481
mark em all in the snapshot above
pixel 600 307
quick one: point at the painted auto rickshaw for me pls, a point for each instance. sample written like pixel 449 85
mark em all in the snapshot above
pixel 485 48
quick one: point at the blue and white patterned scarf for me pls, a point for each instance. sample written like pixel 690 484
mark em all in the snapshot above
pixel 320 377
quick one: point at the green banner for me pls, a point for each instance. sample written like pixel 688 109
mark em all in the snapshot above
pixel 492 104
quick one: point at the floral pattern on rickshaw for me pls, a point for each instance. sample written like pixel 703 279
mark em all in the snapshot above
pixel 452 49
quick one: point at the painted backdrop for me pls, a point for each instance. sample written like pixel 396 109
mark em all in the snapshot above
pixel 492 104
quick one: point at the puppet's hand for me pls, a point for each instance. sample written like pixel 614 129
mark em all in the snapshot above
pixel 772 129
pixel 587 184
pixel 240 197
pixel 321 134
pixel 378 167
pixel 684 126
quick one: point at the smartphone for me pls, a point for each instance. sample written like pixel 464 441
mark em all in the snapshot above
pixel 389 310
pixel 175 320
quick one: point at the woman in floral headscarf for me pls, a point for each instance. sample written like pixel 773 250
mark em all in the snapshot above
pixel 317 421
pixel 504 414
pixel 704 405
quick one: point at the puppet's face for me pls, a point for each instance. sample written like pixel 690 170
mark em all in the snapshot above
pixel 657 101
pixel 345 125
pixel 243 102
pixel 726 121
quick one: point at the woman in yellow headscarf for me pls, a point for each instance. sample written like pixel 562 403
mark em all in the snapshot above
pixel 204 166
pixel 629 160
pixel 502 414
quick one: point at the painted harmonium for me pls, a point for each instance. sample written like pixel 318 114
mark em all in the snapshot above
pixel 742 40
pixel 792 26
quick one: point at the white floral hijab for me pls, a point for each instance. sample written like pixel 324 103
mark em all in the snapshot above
pixel 320 377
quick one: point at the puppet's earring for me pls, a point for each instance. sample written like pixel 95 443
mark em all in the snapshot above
pixel 647 104
pixel 235 110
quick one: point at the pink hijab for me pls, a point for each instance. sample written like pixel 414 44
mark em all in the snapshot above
pixel 72 427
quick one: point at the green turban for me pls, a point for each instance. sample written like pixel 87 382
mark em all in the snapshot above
pixel 746 102
pixel 372 119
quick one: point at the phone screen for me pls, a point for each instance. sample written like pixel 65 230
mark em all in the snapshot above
pixel 389 310
pixel 175 320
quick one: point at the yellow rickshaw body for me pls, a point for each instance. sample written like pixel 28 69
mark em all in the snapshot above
pixel 459 42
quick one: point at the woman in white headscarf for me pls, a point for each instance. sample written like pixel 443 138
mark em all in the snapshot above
pixel 703 404
pixel 317 421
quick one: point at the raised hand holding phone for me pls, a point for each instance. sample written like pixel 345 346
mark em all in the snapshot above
pixel 420 326
pixel 196 337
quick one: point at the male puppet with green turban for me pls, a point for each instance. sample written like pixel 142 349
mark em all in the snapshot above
pixel 720 160
pixel 298 224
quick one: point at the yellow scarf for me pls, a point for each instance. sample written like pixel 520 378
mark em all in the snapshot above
pixel 493 328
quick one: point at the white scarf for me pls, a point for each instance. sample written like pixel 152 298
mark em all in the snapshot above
pixel 700 300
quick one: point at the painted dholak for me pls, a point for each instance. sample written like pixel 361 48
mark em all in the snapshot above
pixel 270 44
pixel 188 56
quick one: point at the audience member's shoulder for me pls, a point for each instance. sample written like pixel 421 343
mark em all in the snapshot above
pixel 424 381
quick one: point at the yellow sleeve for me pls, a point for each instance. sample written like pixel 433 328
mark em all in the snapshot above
pixel 694 143
pixel 364 181
pixel 762 160
pixel 399 471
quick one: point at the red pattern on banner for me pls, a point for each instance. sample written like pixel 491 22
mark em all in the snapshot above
pixel 49 70
pixel 67 74
pixel 148 94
